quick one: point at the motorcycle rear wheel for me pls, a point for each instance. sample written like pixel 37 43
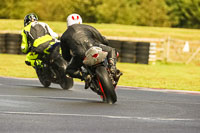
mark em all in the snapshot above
pixel 45 83
pixel 106 85
pixel 42 80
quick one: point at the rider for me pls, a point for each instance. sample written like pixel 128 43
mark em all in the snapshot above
pixel 76 40
pixel 37 38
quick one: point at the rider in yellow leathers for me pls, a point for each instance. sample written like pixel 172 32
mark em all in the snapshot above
pixel 37 39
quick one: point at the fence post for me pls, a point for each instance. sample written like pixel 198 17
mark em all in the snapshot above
pixel 167 49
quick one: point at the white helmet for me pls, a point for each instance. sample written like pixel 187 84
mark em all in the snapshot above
pixel 74 19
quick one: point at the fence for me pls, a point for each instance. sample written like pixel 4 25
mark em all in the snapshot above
pixel 132 50
pixel 170 50
pixel 182 51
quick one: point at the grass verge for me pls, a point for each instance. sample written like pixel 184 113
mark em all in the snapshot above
pixel 166 76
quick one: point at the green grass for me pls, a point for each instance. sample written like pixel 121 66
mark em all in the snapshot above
pixel 166 76
pixel 14 66
pixel 115 30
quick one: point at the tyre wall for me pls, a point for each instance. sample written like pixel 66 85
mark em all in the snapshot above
pixel 10 43
pixel 132 52
pixel 2 43
pixel 129 51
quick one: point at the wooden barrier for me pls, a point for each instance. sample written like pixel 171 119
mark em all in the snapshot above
pixel 129 51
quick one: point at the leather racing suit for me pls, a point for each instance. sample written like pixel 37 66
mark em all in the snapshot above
pixel 76 40
pixel 37 38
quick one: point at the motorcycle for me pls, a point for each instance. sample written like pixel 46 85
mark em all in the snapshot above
pixel 103 82
pixel 53 70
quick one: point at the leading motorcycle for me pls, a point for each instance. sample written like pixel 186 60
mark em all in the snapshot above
pixel 53 70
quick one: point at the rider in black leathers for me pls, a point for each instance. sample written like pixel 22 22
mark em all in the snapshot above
pixel 76 40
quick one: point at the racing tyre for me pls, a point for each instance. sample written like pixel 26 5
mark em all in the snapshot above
pixel 67 83
pixel 106 85
pixel 42 79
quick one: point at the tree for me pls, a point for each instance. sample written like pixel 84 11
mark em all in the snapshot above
pixel 87 9
pixel 115 12
pixel 53 10
pixel 152 13
pixel 13 8
pixel 175 13
pixel 184 13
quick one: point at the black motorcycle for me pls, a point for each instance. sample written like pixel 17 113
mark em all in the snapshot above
pixel 103 81
pixel 53 70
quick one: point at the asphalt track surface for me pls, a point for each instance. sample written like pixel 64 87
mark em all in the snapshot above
pixel 27 107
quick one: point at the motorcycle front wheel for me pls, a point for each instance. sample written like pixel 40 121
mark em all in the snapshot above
pixel 66 83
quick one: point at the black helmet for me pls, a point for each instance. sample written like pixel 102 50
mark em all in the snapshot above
pixel 30 18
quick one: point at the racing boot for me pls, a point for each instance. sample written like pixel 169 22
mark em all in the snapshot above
pixel 118 74
pixel 87 80
pixel 112 65
pixel 114 71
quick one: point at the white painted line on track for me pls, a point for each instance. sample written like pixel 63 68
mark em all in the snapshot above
pixel 100 116
pixel 158 90
pixel 63 114
pixel 47 97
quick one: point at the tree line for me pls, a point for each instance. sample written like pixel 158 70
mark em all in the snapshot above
pixel 161 13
